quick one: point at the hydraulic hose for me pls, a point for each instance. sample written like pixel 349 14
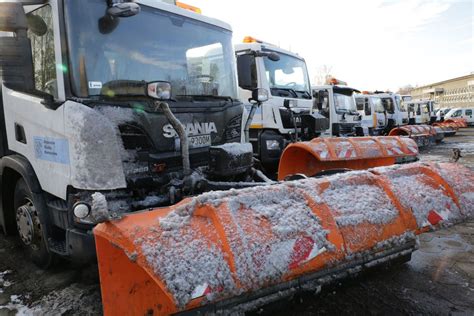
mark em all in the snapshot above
pixel 183 137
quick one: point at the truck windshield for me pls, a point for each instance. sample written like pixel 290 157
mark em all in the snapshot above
pixel 388 105
pixel 378 105
pixel 290 74
pixel 195 57
pixel 344 103
pixel 400 105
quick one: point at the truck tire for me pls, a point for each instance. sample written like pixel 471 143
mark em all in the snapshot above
pixel 29 226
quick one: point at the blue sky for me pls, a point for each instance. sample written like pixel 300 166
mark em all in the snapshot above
pixel 371 44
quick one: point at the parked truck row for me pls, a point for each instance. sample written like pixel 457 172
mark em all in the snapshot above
pixel 136 133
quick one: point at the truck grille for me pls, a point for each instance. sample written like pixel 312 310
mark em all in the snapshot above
pixel 134 137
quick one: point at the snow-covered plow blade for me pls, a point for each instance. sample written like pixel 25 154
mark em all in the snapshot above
pixel 356 153
pixel 235 250
pixel 459 122
pixel 423 135
pixel 449 129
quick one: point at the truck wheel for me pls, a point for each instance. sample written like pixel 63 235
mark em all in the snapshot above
pixel 29 226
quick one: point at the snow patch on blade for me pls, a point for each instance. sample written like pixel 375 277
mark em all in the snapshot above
pixel 185 260
pixel 261 227
pixel 268 222
pixel 422 199
pixel 359 203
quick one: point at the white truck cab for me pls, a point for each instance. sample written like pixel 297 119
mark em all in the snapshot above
pixel 277 121
pixel 336 102
pixel 374 117
pixel 396 112
pixel 440 113
pixel 90 95
pixel 418 112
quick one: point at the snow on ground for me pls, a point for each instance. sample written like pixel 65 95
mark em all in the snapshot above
pixel 4 283
pixel 70 300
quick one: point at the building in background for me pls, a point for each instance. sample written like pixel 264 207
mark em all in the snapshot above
pixel 452 93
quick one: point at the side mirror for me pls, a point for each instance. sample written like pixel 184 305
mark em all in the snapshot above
pixel 48 101
pixel 290 103
pixel 159 90
pixel 273 56
pixel 36 24
pixel 259 95
pixel 123 9
pixel 247 71
pixel 117 9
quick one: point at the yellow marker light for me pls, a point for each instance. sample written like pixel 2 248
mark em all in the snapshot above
pixel 250 39
pixel 188 7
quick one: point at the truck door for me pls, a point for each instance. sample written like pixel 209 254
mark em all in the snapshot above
pixel 469 117
pixel 34 130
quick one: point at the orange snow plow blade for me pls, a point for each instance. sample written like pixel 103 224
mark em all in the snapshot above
pixel 355 153
pixel 459 122
pixel 449 129
pixel 423 135
pixel 235 250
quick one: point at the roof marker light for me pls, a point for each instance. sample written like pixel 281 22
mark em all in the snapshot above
pixel 188 7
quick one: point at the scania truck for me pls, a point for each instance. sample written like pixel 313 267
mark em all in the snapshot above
pixel 83 122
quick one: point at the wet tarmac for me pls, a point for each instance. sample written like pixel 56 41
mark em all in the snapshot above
pixel 439 279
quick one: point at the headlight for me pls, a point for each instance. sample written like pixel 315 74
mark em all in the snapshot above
pixel 357 118
pixel 81 210
pixel 273 144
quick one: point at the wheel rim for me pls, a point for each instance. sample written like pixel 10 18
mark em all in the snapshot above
pixel 28 224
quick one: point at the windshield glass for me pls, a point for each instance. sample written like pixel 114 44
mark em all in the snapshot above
pixel 344 103
pixel 388 105
pixel 378 105
pixel 287 73
pixel 400 105
pixel 425 108
pixel 155 45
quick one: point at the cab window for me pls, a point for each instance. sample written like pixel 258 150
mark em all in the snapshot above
pixel 388 105
pixel 378 105
pixel 363 105
pixel 40 32
pixel 457 113
pixel 468 112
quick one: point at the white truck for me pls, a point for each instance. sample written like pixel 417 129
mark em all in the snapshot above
pixel 336 102
pixel 396 111
pixel 418 112
pixel 111 105
pixel 440 113
pixel 374 117
pixel 287 114
pixel 421 112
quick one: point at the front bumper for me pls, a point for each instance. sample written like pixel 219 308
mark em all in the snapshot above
pixel 80 245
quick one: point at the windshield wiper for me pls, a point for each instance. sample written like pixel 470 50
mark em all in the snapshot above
pixel 305 93
pixel 293 92
pixel 205 96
